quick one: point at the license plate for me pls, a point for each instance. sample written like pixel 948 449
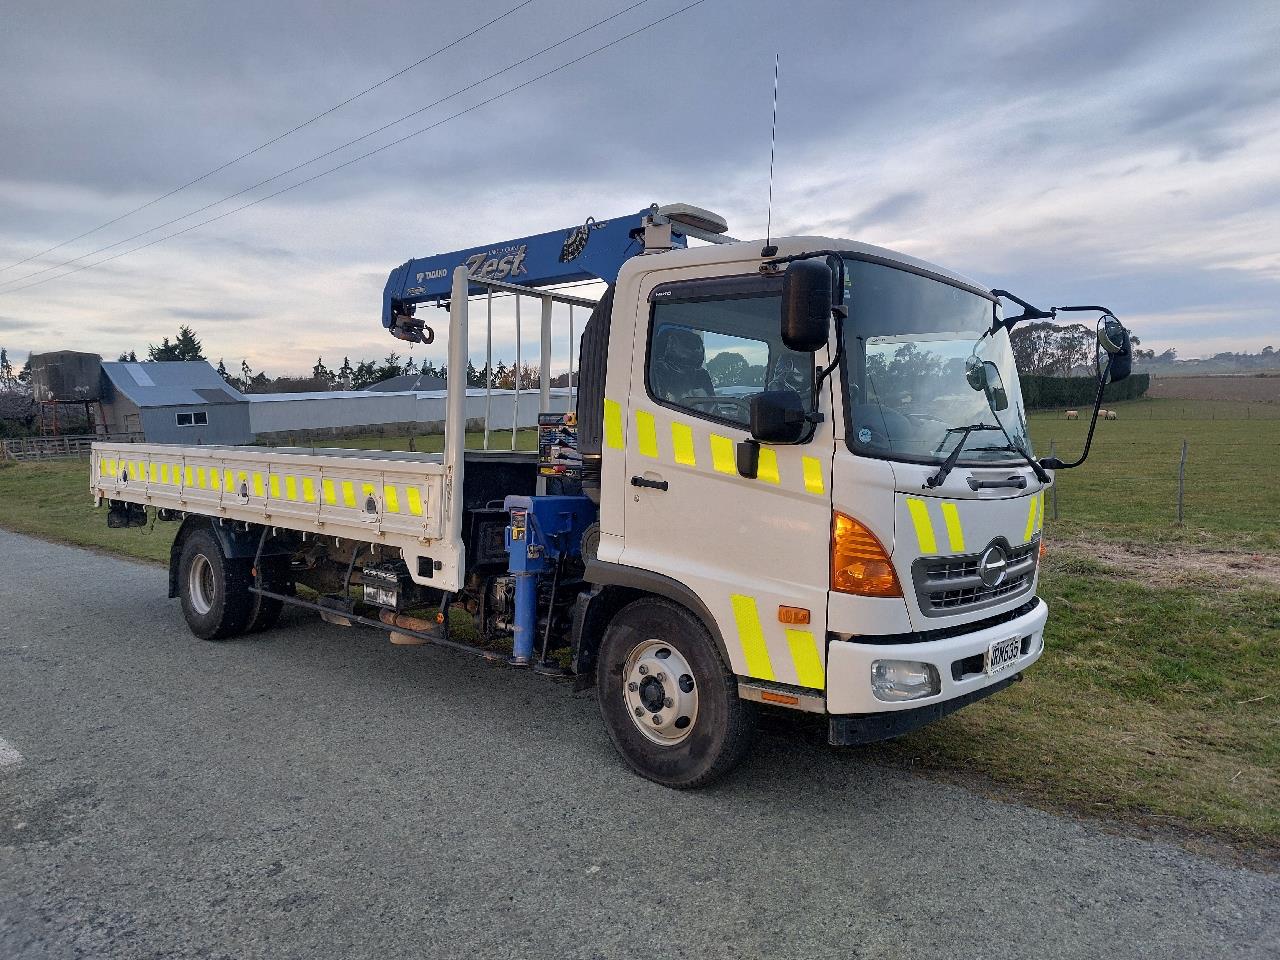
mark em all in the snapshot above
pixel 1003 654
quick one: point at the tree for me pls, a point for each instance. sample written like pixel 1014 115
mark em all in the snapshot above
pixel 130 357
pixel 728 369
pixel 186 347
pixel 222 372
pixel 24 375
pixel 345 374
pixel 320 372
pixel 365 373
pixel 1051 350
pixel 8 379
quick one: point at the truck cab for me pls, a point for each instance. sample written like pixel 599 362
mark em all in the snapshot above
pixel 831 575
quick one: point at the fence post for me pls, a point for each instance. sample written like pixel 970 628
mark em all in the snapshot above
pixel 1182 475
pixel 1053 490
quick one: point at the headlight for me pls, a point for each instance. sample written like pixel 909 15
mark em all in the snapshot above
pixel 896 680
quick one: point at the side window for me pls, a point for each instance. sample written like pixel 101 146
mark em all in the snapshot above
pixel 184 419
pixel 709 356
pixel 201 418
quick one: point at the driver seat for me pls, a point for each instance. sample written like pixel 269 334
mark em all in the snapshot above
pixel 677 370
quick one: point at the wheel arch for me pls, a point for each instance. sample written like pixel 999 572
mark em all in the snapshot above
pixel 615 586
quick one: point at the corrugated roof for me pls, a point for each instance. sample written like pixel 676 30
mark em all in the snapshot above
pixel 408 382
pixel 170 383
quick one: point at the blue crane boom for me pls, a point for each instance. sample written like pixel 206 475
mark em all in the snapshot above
pixel 594 250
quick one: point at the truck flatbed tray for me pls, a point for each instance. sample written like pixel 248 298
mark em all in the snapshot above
pixel 390 497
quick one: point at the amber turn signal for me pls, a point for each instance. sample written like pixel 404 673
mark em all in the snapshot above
pixel 795 615
pixel 859 564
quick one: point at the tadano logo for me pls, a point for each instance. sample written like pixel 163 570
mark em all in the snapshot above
pixel 432 274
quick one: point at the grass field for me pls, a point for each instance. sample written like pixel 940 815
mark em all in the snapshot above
pixel 1128 488
pixel 1158 698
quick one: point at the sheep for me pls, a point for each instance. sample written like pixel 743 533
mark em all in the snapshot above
pixel 1073 414
pixel 1111 415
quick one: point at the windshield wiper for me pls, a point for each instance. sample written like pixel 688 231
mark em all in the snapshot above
pixel 949 464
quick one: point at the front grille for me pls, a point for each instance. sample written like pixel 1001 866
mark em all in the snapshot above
pixel 949 585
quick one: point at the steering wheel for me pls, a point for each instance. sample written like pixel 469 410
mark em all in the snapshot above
pixel 740 406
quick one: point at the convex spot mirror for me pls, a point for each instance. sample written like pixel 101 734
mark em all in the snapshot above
pixel 778 416
pixel 985 376
pixel 806 305
pixel 1114 338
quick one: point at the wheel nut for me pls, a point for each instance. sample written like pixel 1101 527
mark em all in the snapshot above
pixel 657 719
pixel 633 686
pixel 667 702
pixel 639 711
pixel 662 677
pixel 643 670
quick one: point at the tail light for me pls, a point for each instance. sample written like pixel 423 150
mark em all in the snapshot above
pixel 859 564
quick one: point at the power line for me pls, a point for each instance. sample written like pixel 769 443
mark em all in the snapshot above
pixel 376 150
pixel 273 140
pixel 328 153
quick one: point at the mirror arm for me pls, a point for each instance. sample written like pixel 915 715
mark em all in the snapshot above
pixel 1053 463
pixel 1028 312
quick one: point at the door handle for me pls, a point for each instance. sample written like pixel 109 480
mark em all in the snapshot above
pixel 1018 482
pixel 646 482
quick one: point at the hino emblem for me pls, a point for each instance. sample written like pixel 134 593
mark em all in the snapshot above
pixel 993 567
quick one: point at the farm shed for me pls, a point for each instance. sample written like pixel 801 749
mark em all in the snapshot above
pixel 173 402
pixel 284 414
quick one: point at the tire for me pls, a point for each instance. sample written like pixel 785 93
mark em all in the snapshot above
pixel 632 675
pixel 214 590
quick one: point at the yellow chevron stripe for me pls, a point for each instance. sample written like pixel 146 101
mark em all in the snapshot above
pixel 768 468
pixel 955 533
pixel 924 526
pixel 1031 517
pixel 646 434
pixel 391 497
pixel 613 424
pixel 329 490
pixel 807 660
pixel 309 489
pixel 722 455
pixel 273 486
pixel 258 489
pixel 682 444
pixel 415 501
pixel 751 636
pixel 813 475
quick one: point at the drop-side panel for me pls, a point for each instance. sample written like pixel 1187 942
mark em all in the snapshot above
pixel 391 499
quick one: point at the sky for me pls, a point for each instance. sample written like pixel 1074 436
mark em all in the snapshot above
pixel 1118 153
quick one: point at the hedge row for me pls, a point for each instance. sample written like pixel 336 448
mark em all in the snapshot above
pixel 1043 393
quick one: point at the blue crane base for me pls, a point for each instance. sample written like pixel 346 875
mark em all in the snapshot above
pixel 542 532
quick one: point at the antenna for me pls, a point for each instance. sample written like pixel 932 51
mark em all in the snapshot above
pixel 769 248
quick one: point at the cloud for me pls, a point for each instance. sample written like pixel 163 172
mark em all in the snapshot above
pixel 1123 153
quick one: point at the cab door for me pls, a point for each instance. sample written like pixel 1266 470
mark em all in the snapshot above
pixel 754 550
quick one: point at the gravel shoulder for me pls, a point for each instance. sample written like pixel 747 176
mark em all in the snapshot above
pixel 319 792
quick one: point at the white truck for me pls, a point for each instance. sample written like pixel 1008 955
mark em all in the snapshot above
pixel 797 475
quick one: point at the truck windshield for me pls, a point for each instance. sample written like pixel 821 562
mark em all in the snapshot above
pixel 921 364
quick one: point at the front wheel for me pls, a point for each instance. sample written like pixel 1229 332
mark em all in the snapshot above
pixel 669 702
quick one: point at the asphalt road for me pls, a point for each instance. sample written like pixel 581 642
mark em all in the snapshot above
pixel 317 792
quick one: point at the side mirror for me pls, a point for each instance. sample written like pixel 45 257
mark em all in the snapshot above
pixel 806 305
pixel 778 416
pixel 1114 338
pixel 984 376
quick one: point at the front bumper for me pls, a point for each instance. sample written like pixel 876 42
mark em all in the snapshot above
pixel 955 658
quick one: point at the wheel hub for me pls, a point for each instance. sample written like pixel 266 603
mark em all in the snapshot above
pixel 660 692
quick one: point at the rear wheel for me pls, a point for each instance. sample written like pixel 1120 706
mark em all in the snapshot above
pixel 670 703
pixel 214 590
